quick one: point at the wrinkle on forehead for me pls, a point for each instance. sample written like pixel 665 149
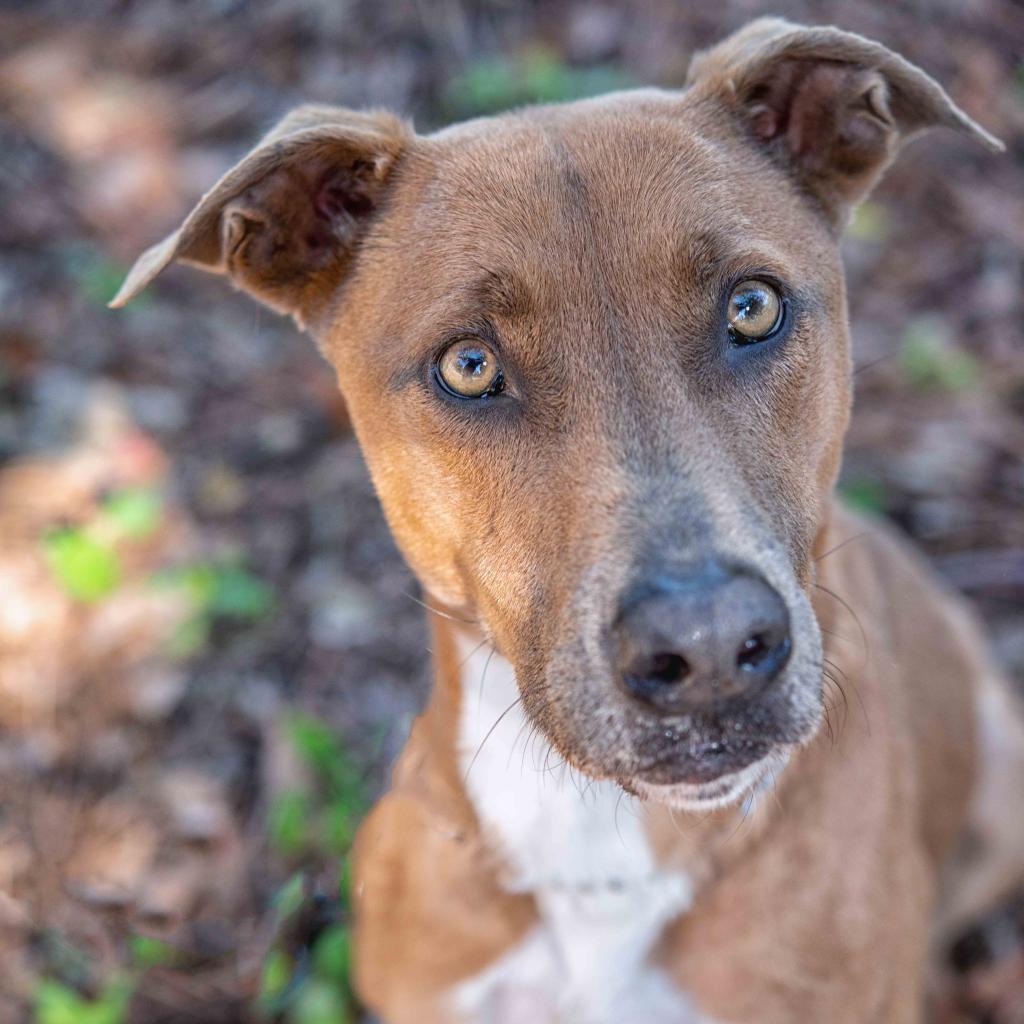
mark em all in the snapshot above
pixel 565 191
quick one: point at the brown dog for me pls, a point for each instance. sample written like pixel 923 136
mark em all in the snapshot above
pixel 597 356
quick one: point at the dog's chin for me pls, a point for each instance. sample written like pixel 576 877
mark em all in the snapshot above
pixel 729 788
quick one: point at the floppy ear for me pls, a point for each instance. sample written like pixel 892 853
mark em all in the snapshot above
pixel 831 106
pixel 284 223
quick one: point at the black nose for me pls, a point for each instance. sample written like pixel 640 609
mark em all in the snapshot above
pixel 683 642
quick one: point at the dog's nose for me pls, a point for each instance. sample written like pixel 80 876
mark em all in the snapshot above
pixel 684 642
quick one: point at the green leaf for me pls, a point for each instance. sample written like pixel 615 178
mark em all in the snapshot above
pixel 931 362
pixel 85 568
pixel 135 511
pixel 288 822
pixel 864 494
pixel 148 951
pixel 290 897
pixel 237 594
pixel 97 277
pixel 314 741
pixel 537 75
pixel 338 827
pixel 319 1002
pixel 199 581
pixel 277 973
pixel 189 637
pixel 332 955
pixel 57 1004
pixel 220 589
pixel 112 1006
pixel 870 222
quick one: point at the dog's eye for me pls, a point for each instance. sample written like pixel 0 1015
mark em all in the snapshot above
pixel 470 369
pixel 755 312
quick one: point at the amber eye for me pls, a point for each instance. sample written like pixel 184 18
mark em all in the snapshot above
pixel 470 369
pixel 755 311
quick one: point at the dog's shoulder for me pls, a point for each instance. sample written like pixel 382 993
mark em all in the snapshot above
pixel 912 645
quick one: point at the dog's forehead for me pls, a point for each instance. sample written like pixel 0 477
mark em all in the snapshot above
pixel 640 182
pixel 634 208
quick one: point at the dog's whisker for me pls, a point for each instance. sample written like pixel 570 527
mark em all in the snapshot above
pixel 840 686
pixel 480 689
pixel 490 732
pixel 462 664
pixel 873 362
pixel 838 547
pixel 837 636
pixel 843 603
pixel 440 611
pixel 827 709
pixel 675 824
pixel 515 742
pixel 615 816
pixel 748 804
pixel 832 669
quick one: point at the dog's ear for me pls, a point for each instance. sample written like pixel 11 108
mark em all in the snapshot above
pixel 832 106
pixel 284 224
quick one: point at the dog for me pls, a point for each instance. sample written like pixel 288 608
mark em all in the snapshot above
pixel 704 747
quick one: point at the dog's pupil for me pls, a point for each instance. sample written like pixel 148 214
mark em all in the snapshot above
pixel 750 305
pixel 472 362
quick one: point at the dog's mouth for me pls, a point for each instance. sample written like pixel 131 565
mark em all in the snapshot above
pixel 717 755
pixel 704 763
pixel 727 788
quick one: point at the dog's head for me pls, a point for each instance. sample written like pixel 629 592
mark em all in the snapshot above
pixel 597 357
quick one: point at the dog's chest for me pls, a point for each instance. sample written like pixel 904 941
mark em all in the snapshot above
pixel 580 847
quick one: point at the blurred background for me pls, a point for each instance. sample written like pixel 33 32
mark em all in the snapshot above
pixel 209 648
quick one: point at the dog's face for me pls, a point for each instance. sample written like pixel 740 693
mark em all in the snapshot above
pixel 559 414
pixel 598 360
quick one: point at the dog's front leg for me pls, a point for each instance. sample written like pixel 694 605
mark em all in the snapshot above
pixel 430 915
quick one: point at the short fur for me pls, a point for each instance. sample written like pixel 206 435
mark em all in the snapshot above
pixel 790 851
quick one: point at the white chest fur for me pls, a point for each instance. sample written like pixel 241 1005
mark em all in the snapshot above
pixel 579 846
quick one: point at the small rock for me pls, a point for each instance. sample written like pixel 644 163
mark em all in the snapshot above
pixel 158 409
pixel 157 691
pixel 221 490
pixel 197 805
pixel 280 433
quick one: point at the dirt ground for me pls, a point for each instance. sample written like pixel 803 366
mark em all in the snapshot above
pixel 210 650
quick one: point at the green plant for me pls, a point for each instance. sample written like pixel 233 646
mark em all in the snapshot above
pixel 85 559
pixel 214 590
pixel 865 494
pixel 314 822
pixel 57 1003
pixel 147 951
pixel 96 276
pixel 870 222
pixel 85 567
pixel 930 361
pixel 536 75
pixel 321 818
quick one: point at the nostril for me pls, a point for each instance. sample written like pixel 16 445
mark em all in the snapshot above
pixel 667 668
pixel 654 677
pixel 752 651
pixel 762 652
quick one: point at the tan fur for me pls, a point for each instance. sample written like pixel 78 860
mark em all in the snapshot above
pixel 592 244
